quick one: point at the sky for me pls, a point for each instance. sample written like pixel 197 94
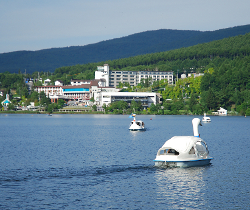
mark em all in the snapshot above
pixel 43 24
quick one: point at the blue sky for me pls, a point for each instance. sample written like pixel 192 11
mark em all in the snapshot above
pixel 43 24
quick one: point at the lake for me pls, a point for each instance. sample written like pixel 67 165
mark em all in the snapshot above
pixel 94 162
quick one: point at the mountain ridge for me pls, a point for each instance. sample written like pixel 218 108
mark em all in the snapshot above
pixel 128 46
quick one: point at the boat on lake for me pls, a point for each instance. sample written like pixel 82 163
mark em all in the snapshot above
pixel 184 151
pixel 205 118
pixel 136 125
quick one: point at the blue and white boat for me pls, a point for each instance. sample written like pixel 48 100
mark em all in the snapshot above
pixel 136 125
pixel 184 151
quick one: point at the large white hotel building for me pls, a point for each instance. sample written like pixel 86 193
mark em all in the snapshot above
pixel 113 78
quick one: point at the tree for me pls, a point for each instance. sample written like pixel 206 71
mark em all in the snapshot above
pixel 153 108
pixel 192 102
pixel 60 103
pixel 208 99
pixel 248 112
pixel 122 105
pixel 104 106
pixel 136 106
pixel 11 106
pixel 94 107
pixel 34 96
pixel 43 99
pixel 50 108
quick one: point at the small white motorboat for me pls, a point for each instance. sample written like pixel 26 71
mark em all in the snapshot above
pixel 205 118
pixel 184 151
pixel 136 125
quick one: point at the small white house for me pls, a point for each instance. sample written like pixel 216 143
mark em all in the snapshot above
pixel 183 76
pixel 47 82
pixel 222 111
pixel 58 83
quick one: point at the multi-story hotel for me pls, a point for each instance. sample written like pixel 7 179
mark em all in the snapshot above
pixel 113 78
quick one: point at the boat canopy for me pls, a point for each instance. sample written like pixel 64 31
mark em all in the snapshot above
pixel 182 144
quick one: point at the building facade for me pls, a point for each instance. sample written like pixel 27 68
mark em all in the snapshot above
pixel 135 77
pixel 113 78
pixel 102 74
pixel 80 93
pixel 146 98
pixel 75 82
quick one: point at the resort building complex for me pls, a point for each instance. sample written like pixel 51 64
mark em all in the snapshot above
pixel 103 88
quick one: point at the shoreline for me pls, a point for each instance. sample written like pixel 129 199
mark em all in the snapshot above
pixel 102 113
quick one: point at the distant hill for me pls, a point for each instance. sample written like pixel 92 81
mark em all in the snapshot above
pixel 132 45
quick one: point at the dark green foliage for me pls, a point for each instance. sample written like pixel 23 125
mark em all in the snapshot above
pixel 229 85
pixel 44 101
pixel 94 107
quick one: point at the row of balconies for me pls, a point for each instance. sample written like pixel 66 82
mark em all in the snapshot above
pixel 129 100
pixel 140 73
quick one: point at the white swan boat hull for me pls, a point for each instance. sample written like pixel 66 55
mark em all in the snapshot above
pixel 137 126
pixel 183 164
pixel 206 119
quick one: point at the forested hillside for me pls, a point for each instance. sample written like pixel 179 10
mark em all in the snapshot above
pixel 226 82
pixel 185 60
pixel 48 60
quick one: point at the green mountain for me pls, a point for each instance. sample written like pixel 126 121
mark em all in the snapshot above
pixel 132 45
pixel 226 81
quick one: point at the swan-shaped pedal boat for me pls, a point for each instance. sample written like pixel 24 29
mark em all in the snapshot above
pixel 205 118
pixel 184 151
pixel 136 125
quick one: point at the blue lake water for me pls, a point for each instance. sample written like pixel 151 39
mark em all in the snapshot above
pixel 95 162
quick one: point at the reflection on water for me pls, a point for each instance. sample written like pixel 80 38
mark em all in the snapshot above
pixel 136 134
pixel 181 187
